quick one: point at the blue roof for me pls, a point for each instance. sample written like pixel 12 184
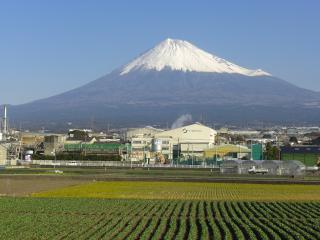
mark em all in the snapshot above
pixel 300 149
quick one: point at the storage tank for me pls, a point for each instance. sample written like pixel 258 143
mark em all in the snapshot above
pixel 29 152
pixel 156 145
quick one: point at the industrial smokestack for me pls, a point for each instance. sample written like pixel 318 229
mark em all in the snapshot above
pixel 5 122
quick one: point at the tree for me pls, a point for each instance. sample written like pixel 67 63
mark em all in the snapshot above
pixel 271 152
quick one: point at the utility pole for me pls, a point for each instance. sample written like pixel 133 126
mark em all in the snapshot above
pixel 55 158
pixel 251 157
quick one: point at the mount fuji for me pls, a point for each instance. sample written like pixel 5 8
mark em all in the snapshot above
pixel 173 78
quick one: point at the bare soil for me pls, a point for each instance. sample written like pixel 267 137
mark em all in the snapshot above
pixel 18 186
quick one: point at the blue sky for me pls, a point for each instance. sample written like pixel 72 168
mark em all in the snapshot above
pixel 48 47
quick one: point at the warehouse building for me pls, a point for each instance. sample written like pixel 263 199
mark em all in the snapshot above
pixel 308 155
pixel 98 151
pixel 186 142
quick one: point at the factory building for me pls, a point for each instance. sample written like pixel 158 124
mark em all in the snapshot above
pixel 188 141
pixel 140 147
pixel 97 151
pixel 164 146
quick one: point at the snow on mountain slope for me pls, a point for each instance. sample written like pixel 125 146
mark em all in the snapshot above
pixel 183 56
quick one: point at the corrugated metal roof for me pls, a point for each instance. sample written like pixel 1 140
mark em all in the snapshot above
pixel 300 149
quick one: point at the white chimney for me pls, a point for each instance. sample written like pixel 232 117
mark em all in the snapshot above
pixel 5 122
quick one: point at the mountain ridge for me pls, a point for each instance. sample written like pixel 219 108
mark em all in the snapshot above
pixel 143 85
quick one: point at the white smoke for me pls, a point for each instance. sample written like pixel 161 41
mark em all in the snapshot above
pixel 181 121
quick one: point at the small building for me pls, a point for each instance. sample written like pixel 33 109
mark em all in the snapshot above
pixel 307 154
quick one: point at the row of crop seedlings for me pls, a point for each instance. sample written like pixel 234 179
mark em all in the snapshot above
pixel 120 223
pixel 288 217
pixel 225 220
pixel 278 222
pixel 91 224
pixel 139 219
pixel 171 224
pixel 167 220
pixel 131 223
pixel 32 225
pixel 155 221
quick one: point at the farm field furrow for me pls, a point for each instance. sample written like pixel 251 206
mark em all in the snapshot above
pixel 72 218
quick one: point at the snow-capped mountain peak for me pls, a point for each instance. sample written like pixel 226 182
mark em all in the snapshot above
pixel 181 55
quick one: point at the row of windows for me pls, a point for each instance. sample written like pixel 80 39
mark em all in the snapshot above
pixel 140 142
pixel 140 149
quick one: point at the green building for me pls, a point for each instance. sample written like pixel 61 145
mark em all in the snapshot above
pixel 257 151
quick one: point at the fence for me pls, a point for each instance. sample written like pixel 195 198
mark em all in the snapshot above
pixel 126 164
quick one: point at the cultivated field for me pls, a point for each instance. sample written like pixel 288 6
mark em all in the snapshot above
pixel 79 207
pixel 188 191
pixel 40 218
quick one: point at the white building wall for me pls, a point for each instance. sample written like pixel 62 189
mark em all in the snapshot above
pixel 191 139
pixel 3 155
pixel 140 147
